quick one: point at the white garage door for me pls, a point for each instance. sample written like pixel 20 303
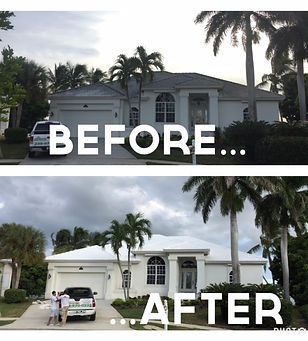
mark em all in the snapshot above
pixel 95 281
pixel 72 118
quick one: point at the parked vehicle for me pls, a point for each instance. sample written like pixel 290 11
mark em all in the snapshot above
pixel 82 302
pixel 39 137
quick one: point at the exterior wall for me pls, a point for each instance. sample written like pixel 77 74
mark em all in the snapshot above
pixel 5 277
pixel 230 111
pixel 4 121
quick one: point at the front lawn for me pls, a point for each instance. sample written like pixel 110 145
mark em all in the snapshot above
pixel 14 150
pixel 177 156
pixel 13 309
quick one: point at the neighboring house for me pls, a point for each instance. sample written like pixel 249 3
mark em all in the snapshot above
pixel 171 98
pixel 4 121
pixel 5 275
pixel 165 264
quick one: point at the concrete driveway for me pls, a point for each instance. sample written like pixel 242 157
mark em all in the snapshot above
pixel 36 317
pixel 119 156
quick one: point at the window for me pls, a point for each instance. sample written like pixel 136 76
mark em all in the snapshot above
pixel 125 279
pixel 188 264
pixel 165 108
pixel 134 117
pixel 246 115
pixel 231 277
pixel 156 271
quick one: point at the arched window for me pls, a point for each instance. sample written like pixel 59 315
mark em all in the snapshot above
pixel 189 264
pixel 134 117
pixel 165 108
pixel 125 279
pixel 231 277
pixel 156 271
pixel 246 115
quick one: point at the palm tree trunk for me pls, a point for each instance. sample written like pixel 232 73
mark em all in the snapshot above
pixel 301 89
pixel 128 274
pixel 234 248
pixel 14 274
pixel 139 98
pixel 250 73
pixel 129 102
pixel 18 273
pixel 121 271
pixel 285 262
pixel 18 115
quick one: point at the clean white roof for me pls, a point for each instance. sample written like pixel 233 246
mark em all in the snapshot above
pixel 158 243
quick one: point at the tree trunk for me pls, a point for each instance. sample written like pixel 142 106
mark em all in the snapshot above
pixel 14 274
pixel 301 89
pixel 285 262
pixel 13 117
pixel 139 98
pixel 129 103
pixel 18 273
pixel 121 271
pixel 234 248
pixel 250 73
pixel 128 270
pixel 18 116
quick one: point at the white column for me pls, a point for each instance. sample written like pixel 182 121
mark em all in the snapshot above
pixel 184 111
pixel 200 272
pixel 173 275
pixel 213 108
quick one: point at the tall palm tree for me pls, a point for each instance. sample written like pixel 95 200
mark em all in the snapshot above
pixel 22 244
pixel 145 64
pixel 116 236
pixel 280 209
pixel 76 74
pixel 137 227
pixel 250 24
pixel 232 191
pixel 292 39
pixel 96 75
pixel 122 72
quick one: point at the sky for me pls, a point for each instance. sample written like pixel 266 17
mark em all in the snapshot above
pixel 97 38
pixel 52 203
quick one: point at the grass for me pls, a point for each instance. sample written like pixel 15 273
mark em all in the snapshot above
pixel 177 156
pixel 14 150
pixel 4 323
pixel 13 309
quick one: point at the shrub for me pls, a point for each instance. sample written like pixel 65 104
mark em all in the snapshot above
pixel 14 295
pixel 282 150
pixel 304 311
pixel 296 128
pixel 118 302
pixel 15 135
pixel 246 134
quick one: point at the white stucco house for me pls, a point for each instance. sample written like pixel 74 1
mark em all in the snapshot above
pixel 165 265
pixel 170 98
pixel 5 275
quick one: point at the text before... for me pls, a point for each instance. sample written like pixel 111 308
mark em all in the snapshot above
pixel 61 143
pixel 155 302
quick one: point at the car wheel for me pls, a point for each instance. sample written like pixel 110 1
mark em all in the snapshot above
pixel 92 317
pixel 31 154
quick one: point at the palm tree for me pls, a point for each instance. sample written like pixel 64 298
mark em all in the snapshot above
pixel 292 38
pixel 116 236
pixel 96 75
pixel 136 228
pixel 144 68
pixel 122 72
pixel 76 75
pixel 58 78
pixel 220 22
pixel 232 192
pixel 280 209
pixel 22 244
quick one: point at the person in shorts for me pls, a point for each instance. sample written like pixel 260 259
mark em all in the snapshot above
pixel 54 311
pixel 64 306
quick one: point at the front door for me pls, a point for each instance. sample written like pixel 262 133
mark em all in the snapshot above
pixel 198 112
pixel 188 280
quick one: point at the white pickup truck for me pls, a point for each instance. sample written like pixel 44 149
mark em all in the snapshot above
pixel 39 137
pixel 81 303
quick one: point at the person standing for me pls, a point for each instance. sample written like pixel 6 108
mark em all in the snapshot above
pixel 64 306
pixel 53 309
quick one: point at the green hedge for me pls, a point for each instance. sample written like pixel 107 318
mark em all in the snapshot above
pixel 304 311
pixel 268 323
pixel 16 135
pixel 14 295
pixel 282 150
